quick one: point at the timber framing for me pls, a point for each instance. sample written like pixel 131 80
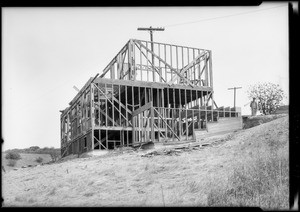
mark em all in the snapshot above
pixel 164 95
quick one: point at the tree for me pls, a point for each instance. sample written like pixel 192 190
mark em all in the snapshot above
pixel 269 96
pixel 13 156
pixel 34 148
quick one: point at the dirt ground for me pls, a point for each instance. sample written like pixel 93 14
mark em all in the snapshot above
pixel 128 179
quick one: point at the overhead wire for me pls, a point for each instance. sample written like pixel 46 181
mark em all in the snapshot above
pixel 219 17
pixel 226 16
pixel 167 26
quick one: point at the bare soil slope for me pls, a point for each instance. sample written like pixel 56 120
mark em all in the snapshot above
pixel 189 177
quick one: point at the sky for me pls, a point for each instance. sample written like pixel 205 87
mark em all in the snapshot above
pixel 47 51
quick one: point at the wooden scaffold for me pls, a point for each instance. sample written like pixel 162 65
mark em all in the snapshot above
pixel 160 94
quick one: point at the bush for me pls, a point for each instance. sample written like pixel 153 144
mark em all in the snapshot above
pixel 34 148
pixel 13 156
pixel 39 159
pixel 54 155
pixel 11 162
pixel 45 149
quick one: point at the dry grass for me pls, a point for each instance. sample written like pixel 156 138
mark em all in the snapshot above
pixel 261 183
pixel 26 159
pixel 11 162
pixel 261 178
pixel 253 121
pixel 201 177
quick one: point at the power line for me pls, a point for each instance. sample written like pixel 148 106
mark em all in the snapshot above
pixel 219 17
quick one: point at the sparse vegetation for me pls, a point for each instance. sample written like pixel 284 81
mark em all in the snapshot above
pixel 11 162
pixel 36 150
pixel 261 180
pixel 26 160
pixel 253 121
pixel 55 155
pixel 245 168
pixel 13 156
pixel 53 152
pixel 39 160
pixel 263 183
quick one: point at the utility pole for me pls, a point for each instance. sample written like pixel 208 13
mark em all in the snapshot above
pixel 234 88
pixel 150 29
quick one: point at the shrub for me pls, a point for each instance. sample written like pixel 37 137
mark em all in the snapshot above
pixel 11 162
pixel 34 148
pixel 39 159
pixel 13 156
pixel 45 149
pixel 54 156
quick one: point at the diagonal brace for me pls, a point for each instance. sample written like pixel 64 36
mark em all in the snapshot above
pixel 164 62
pixel 166 124
pixel 112 103
pixel 100 142
pixel 183 70
pixel 151 63
pixel 114 123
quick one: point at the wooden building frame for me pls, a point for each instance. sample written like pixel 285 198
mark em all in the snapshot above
pixel 142 95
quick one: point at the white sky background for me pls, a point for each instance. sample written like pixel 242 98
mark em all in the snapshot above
pixel 46 51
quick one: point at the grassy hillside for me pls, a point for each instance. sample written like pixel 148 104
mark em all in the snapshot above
pixel 252 121
pixel 248 168
pixel 36 150
pixel 26 159
pixel 29 156
pixel 261 175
